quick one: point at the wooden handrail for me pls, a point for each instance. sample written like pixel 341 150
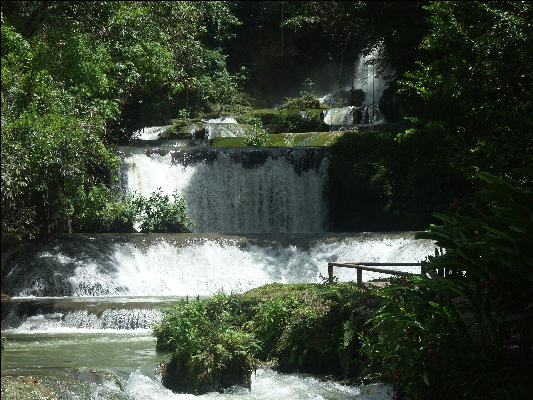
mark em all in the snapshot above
pixel 371 266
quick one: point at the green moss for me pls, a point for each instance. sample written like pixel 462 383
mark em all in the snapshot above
pixel 179 130
pixel 285 140
pixel 287 120
pixel 229 142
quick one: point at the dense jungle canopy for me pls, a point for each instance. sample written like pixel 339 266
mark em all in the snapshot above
pixel 79 77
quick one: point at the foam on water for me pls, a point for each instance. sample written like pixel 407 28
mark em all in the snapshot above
pixel 195 266
pixel 221 120
pixel 82 321
pixel 149 133
pixel 266 385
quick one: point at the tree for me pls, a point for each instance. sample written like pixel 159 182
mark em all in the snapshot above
pixel 475 85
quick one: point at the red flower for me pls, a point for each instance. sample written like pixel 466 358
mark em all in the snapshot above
pixel 396 373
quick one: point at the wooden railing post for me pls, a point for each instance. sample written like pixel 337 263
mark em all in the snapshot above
pixel 359 276
pixel 330 273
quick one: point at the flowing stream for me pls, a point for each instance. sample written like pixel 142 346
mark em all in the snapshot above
pixel 86 302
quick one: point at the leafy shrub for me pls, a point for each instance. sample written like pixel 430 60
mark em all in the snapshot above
pixel 158 213
pixel 257 140
pixel 209 353
pixel 270 319
pixel 303 101
pixel 100 210
pixel 249 119
pixel 463 335
pixel 312 328
pixel 291 120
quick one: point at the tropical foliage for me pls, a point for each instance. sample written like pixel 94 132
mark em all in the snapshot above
pixel 78 77
pixel 463 335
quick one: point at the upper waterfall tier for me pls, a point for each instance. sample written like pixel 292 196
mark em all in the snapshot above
pixel 230 190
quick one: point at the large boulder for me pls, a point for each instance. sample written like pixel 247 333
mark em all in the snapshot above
pixel 184 376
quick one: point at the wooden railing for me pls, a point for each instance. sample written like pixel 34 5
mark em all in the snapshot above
pixel 371 266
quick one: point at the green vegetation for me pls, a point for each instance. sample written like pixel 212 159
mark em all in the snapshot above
pixel 78 77
pixel 103 211
pixel 464 335
pixel 285 140
pixel 385 182
pixel 302 327
pixel 473 83
pixel 303 101
pixel 210 351
pixel 293 120
pixel 158 213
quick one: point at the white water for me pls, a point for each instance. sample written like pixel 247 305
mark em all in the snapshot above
pixel 149 133
pixel 369 78
pixel 343 116
pixel 226 195
pixel 191 266
pixel 266 385
pixel 221 120
pixel 84 321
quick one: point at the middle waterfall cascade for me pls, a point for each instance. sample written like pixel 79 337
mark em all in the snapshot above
pixel 368 78
pixel 232 190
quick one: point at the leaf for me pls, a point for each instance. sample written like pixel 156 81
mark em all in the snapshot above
pixel 425 378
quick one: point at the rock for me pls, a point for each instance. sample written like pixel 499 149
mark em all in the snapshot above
pixel 182 377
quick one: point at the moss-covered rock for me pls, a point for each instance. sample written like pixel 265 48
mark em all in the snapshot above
pixel 286 140
pixel 216 368
pixel 314 328
pixel 303 327
pixel 210 350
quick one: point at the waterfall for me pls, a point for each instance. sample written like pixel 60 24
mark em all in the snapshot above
pixel 190 265
pixel 149 133
pixel 369 79
pixel 248 190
